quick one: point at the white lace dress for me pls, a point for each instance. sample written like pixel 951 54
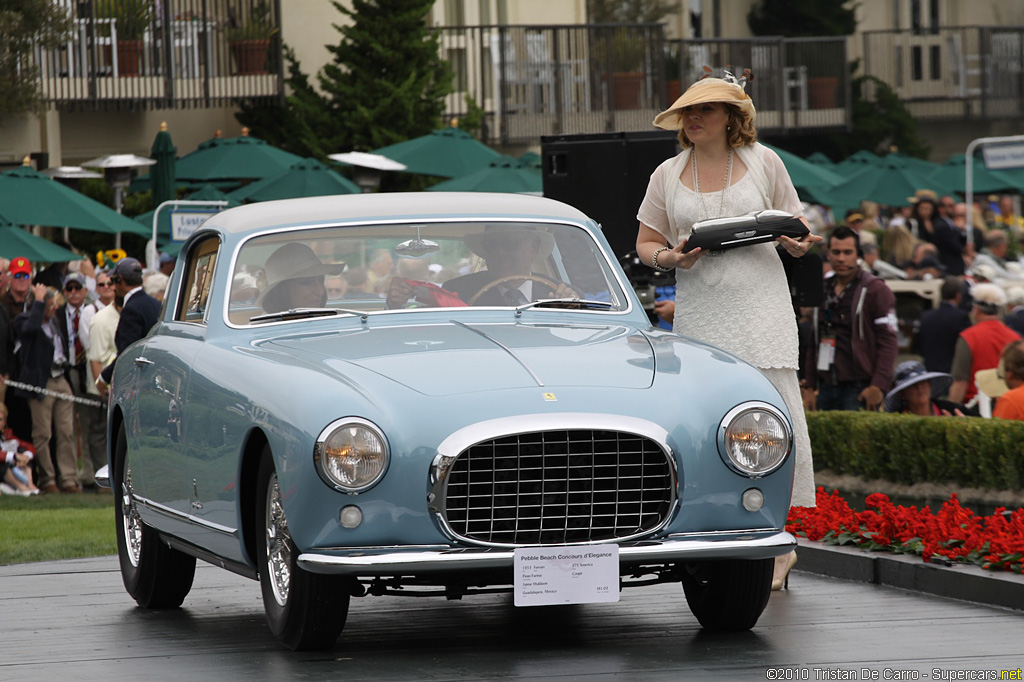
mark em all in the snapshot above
pixel 737 300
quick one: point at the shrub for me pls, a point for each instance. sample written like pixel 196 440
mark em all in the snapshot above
pixel 908 449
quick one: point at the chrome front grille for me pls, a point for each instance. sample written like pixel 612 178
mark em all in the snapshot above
pixel 559 487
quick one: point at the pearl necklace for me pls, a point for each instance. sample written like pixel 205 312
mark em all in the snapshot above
pixel 703 213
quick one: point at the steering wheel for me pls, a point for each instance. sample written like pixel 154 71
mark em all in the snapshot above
pixel 550 283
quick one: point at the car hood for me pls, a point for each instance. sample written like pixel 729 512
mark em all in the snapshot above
pixel 454 358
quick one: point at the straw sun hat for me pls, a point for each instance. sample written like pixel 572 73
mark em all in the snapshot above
pixel 992 382
pixel 727 90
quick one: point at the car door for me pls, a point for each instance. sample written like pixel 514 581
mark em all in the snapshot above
pixel 169 480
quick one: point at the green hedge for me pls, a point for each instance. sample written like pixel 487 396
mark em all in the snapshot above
pixel 972 452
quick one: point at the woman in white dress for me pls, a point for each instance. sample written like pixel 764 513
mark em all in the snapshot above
pixel 739 299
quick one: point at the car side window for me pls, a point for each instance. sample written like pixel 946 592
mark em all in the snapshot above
pixel 199 268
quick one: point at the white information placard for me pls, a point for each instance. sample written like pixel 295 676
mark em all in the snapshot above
pixel 184 223
pixel 1003 156
pixel 566 575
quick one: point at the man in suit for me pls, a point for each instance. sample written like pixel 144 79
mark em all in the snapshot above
pixel 139 314
pixel 939 328
pixel 44 365
pixel 74 318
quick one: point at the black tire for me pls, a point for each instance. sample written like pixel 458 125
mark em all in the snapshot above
pixel 156 576
pixel 306 611
pixel 728 596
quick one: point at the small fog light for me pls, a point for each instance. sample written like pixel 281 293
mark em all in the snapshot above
pixel 351 516
pixel 753 499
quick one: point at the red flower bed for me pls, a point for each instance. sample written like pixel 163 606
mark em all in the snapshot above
pixel 956 533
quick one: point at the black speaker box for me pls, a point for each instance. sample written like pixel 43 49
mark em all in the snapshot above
pixel 605 175
pixel 806 279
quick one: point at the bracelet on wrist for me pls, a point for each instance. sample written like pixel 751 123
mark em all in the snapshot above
pixel 654 260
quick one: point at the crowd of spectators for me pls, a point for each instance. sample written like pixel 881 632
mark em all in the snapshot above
pixel 59 327
pixel 850 357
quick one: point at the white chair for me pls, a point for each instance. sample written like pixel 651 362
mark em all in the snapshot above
pixel 983 402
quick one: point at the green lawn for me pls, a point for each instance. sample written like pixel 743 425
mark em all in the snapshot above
pixel 47 527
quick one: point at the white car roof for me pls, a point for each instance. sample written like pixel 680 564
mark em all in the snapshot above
pixel 350 207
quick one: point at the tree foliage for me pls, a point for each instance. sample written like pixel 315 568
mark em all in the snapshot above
pixel 24 26
pixel 881 122
pixel 802 18
pixel 628 11
pixel 386 83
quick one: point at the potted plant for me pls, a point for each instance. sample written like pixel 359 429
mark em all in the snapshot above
pixel 130 19
pixel 249 39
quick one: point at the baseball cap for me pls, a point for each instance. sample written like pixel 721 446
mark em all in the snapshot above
pixel 74 277
pixel 166 258
pixel 126 266
pixel 20 265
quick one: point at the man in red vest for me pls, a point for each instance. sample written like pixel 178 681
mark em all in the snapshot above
pixel 980 345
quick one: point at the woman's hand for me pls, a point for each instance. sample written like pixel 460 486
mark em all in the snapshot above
pixel 798 249
pixel 677 259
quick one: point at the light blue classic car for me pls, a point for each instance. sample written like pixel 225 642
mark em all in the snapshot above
pixel 363 395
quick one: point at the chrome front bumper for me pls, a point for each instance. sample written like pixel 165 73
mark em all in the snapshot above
pixel 414 560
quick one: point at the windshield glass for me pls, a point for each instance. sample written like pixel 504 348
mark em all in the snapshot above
pixel 421 266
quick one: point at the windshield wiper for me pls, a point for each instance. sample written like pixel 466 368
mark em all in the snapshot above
pixel 303 313
pixel 574 303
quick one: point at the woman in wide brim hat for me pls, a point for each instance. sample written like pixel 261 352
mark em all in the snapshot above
pixel 739 300
pixel 915 389
pixel 295 279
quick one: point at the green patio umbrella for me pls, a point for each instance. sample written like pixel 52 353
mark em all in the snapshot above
pixel 531 160
pixel 856 163
pixel 953 173
pixel 234 158
pixel 305 178
pixel 31 198
pixel 145 220
pixel 890 182
pixel 812 181
pixel 919 165
pixel 819 159
pixel 447 153
pixel 15 242
pixel 505 174
pixel 162 174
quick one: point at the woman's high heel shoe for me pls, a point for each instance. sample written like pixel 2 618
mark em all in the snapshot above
pixel 783 565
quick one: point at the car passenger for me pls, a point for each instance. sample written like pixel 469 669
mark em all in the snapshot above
pixel 295 279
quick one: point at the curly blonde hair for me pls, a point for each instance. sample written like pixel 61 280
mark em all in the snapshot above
pixel 739 129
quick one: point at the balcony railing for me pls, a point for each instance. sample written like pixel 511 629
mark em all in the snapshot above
pixel 140 54
pixel 972 72
pixel 545 80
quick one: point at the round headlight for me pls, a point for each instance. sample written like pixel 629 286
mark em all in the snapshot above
pixel 756 438
pixel 351 455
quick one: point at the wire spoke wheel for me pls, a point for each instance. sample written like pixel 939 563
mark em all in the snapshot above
pixel 279 553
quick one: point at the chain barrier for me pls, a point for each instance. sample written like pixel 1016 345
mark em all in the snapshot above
pixel 55 394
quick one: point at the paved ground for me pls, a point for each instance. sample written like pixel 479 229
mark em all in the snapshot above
pixel 72 620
